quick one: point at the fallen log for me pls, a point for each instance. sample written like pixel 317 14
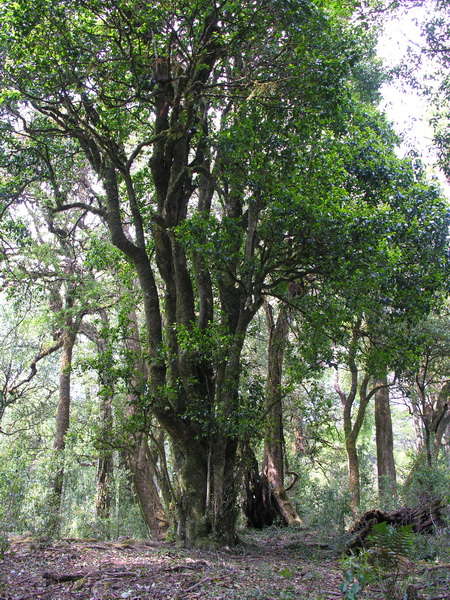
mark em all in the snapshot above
pixel 67 577
pixel 424 518
pixel 55 578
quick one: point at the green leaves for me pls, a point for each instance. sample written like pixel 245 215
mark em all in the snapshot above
pixel 397 540
pixel 210 344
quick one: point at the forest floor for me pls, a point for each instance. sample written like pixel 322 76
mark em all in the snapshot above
pixel 276 564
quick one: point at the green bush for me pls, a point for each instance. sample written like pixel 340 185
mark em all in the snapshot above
pixel 387 547
pixel 326 505
pixel 425 482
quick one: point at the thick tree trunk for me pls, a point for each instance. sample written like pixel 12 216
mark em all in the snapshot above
pixel 206 504
pixel 62 426
pixel 273 467
pixel 387 479
pixel 258 506
pixel 224 509
pixel 193 524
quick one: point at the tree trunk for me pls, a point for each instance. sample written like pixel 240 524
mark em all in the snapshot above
pixel 103 501
pixel 193 524
pixel 206 504
pixel 259 506
pixel 224 492
pixel 138 454
pixel 144 476
pixel 433 416
pixel 441 418
pixel 353 424
pixel 273 467
pixel 387 481
pixel 158 459
pixel 105 465
pixel 62 425
pixel 194 399
pixel 353 475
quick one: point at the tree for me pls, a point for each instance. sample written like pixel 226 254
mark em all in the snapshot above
pixel 274 460
pixel 204 59
pixel 387 476
pixel 427 385
pixel 221 137
pixel 353 423
pixel 21 357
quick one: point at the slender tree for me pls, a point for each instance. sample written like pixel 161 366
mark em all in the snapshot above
pixel 387 476
pixel 274 459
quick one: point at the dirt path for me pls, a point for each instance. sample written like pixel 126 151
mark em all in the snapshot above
pixel 275 564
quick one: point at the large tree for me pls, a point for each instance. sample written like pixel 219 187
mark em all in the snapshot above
pixel 211 130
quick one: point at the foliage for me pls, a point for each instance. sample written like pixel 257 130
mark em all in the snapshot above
pixel 324 504
pixel 425 481
pixel 214 155
pixel 380 562
pixel 357 574
pixel 395 541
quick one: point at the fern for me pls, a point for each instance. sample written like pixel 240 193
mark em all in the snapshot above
pixel 397 540
pixel 389 546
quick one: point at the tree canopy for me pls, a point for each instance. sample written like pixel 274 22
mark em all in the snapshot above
pixel 206 156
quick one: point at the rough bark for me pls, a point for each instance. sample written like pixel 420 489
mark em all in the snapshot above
pixel 144 481
pixel 62 423
pixel 259 506
pixel 193 525
pixel 387 479
pixel 138 455
pixel 105 466
pixel 105 473
pixel 221 465
pixel 273 467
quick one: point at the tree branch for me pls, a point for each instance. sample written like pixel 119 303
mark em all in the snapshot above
pixel 33 366
pixel 82 205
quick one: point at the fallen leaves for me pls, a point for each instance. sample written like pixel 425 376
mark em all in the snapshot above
pixel 272 565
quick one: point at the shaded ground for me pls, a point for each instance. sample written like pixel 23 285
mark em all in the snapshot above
pixel 272 565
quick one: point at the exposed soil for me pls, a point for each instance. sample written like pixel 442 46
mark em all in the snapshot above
pixel 271 565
